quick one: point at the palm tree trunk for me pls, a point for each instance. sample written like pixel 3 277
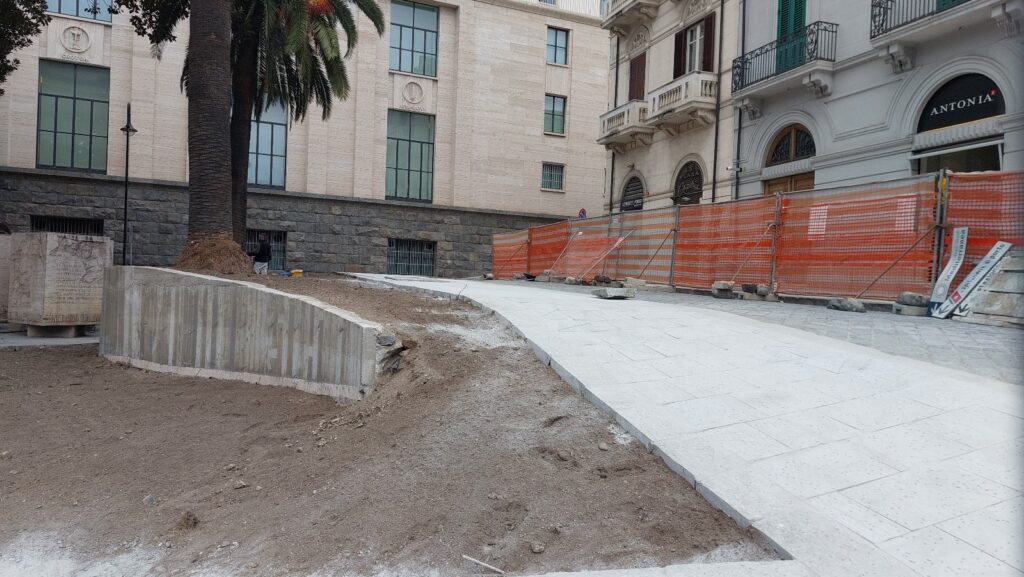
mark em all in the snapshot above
pixel 244 73
pixel 209 113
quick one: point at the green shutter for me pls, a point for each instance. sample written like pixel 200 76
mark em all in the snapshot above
pixel 790 47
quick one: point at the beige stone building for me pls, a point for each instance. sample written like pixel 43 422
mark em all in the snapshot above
pixel 485 106
pixel 668 127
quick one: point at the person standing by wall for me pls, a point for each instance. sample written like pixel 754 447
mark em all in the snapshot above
pixel 261 258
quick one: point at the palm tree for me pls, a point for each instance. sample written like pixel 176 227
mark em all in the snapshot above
pixel 209 109
pixel 284 52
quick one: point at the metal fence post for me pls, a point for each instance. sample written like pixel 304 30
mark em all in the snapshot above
pixel 672 263
pixel 776 225
pixel 941 197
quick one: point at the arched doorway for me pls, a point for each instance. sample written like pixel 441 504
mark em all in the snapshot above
pixel 632 195
pixel 967 98
pixel 689 187
pixel 792 143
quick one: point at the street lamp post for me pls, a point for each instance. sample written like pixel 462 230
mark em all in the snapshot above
pixel 128 131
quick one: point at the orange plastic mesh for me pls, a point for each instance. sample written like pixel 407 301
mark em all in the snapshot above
pixel 991 205
pixel 546 243
pixel 510 253
pixel 725 241
pixel 647 250
pixel 836 242
pixel 584 254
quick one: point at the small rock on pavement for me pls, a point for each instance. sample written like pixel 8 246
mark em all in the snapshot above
pixel 231 467
pixel 385 340
pixel 149 500
pixel 912 299
pixel 537 547
pixel 723 285
pixel 603 446
pixel 564 455
pixel 571 280
pixel 763 290
pixel 489 276
pixel 240 484
pixel 847 304
pixel 614 293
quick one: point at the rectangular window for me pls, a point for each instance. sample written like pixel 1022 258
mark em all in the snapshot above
pixel 413 38
pixel 410 162
pixel 268 147
pixel 552 176
pixel 72 118
pixel 554 114
pixel 66 225
pixel 407 256
pixel 278 244
pixel 558 45
pixel 694 46
pixel 92 9
pixel 552 2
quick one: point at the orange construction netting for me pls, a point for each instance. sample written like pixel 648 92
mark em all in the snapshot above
pixel 838 241
pixel 546 243
pixel 725 241
pixel 991 205
pixel 584 254
pixel 510 253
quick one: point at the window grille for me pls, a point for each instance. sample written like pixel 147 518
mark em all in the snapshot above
pixel 413 38
pixel 67 225
pixel 412 257
pixel 552 176
pixel 72 116
pixel 278 246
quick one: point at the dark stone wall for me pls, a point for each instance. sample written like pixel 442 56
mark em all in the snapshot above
pixel 325 234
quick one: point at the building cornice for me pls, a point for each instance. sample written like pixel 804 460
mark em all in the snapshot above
pixel 546 10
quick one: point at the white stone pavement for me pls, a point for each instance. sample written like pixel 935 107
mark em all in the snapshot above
pixel 853 462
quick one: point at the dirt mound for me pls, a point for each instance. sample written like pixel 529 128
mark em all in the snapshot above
pixel 214 253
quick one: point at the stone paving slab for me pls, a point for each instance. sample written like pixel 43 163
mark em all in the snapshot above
pixel 996 352
pixel 851 461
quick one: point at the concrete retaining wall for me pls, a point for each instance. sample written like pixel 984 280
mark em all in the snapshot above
pixel 191 324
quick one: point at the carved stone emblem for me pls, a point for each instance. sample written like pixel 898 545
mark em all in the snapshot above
pixel 696 7
pixel 75 39
pixel 640 38
pixel 412 93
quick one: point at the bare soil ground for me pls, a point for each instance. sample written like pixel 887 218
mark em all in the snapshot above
pixel 473 447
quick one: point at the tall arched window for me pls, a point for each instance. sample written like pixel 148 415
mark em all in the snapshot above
pixel 632 195
pixel 792 143
pixel 689 186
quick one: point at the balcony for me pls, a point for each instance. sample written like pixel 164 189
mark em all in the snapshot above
pixel 626 124
pixel 621 15
pixel 686 102
pixel 803 58
pixel 897 25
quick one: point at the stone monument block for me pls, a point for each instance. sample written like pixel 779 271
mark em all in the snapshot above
pixel 57 279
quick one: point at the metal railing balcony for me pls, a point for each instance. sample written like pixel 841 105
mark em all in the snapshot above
pixel 888 15
pixel 625 123
pixel 683 95
pixel 816 42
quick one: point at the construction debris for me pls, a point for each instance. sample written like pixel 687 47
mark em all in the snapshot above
pixel 846 304
pixel 614 293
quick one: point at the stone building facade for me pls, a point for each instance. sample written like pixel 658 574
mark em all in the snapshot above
pixel 466 117
pixel 668 128
pixel 841 92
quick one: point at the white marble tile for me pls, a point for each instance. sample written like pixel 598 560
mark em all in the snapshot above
pixel 935 553
pixel 997 530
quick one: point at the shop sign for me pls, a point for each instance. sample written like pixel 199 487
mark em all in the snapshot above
pixel 963 99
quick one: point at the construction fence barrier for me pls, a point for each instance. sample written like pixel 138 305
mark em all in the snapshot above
pixel 870 240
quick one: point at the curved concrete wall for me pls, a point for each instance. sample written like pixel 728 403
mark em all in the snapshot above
pixel 192 324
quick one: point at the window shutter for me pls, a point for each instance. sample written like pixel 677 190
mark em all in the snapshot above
pixel 709 44
pixel 637 71
pixel 679 66
pixel 785 15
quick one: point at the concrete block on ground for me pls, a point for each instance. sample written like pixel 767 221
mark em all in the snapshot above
pixel 763 290
pixel 571 280
pixel 631 282
pixel 614 293
pixel 910 311
pixel 658 288
pixel 185 323
pixel 912 299
pixel 846 304
pixel 748 287
pixel 722 289
pixel 57 279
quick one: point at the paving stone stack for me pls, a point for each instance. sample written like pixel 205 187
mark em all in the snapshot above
pixel 1002 304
